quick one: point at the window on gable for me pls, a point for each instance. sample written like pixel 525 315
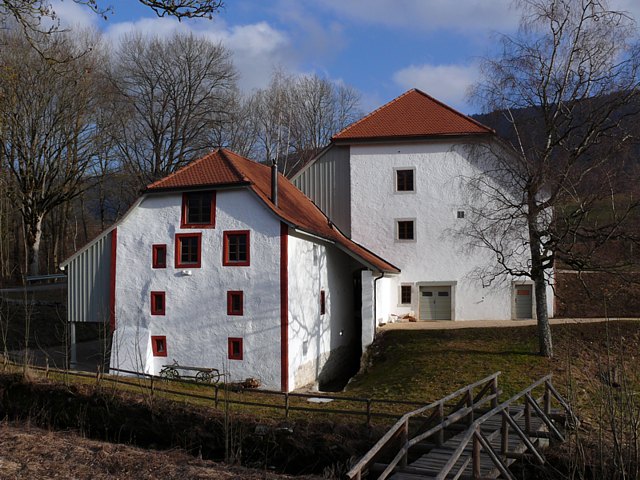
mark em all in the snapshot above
pixel 404 180
pixel 158 303
pixel 405 230
pixel 460 214
pixel 198 210
pixel 235 303
pixel 188 247
pixel 159 256
pixel 159 345
pixel 235 349
pixel 405 294
pixel 236 248
pixel 323 302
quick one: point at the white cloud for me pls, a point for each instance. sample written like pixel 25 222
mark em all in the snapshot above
pixel 257 48
pixel 73 15
pixel 448 83
pixel 429 15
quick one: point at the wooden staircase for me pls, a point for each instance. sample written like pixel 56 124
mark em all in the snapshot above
pixel 469 434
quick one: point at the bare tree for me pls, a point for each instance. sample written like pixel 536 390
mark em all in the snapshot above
pixel 565 87
pixel 298 115
pixel 47 127
pixel 172 93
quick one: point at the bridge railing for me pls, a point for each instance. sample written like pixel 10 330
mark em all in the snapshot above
pixel 460 405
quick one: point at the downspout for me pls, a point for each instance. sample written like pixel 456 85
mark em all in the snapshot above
pixel 375 303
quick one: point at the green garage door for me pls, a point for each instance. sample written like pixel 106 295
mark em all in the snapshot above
pixel 523 295
pixel 435 303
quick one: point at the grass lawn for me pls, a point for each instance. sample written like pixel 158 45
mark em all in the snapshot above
pixel 427 365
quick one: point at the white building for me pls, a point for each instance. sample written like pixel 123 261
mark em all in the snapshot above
pixel 214 267
pixel 394 183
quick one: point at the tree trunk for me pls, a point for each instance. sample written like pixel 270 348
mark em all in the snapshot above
pixel 33 233
pixel 542 315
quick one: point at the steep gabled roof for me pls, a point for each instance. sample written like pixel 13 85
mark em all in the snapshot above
pixel 412 114
pixel 225 168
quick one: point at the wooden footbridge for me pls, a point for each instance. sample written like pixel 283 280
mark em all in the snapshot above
pixel 469 434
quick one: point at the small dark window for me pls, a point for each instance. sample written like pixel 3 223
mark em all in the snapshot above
pixel 404 180
pixel 188 250
pixel 159 346
pixel 159 256
pixel 198 210
pixel 236 248
pixel 235 303
pixel 405 294
pixel 157 303
pixel 443 294
pixel 323 302
pixel 405 230
pixel 427 294
pixel 235 349
pixel 460 213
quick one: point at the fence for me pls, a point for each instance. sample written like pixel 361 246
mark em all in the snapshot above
pixel 224 395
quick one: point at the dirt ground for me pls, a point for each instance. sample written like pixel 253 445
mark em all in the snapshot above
pixel 30 453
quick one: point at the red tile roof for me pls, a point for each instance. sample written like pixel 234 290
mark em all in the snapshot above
pixel 412 114
pixel 223 167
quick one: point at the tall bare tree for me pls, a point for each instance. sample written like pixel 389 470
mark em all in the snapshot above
pixel 298 115
pixel 565 87
pixel 172 93
pixel 47 129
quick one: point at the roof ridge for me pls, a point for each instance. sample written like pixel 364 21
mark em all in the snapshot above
pixel 224 153
pixel 390 102
pixel 185 167
pixel 450 108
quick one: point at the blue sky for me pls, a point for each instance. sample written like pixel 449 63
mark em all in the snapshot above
pixel 381 47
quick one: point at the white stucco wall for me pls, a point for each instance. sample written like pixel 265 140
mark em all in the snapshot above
pixel 437 255
pixel 196 323
pixel 319 344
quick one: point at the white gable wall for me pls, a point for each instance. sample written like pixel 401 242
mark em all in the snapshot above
pixel 436 256
pixel 319 345
pixel 196 323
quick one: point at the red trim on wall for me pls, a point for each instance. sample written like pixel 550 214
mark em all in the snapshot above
pixel 323 302
pixel 183 216
pixel 158 311
pixel 178 262
pixel 230 295
pixel 159 341
pixel 154 255
pixel 225 249
pixel 284 307
pixel 112 286
pixel 235 342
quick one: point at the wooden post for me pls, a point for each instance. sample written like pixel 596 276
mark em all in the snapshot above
pixel 547 398
pixel 476 455
pixel 527 416
pixel 98 374
pixel 46 371
pixel 504 447
pixel 286 405
pixel 152 385
pixel 404 439
pixel 215 397
pixel 470 405
pixel 368 411
pixel 440 436
pixel 494 390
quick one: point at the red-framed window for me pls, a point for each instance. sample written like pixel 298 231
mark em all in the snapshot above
pixel 159 345
pixel 188 250
pixel 198 210
pixel 236 248
pixel 405 294
pixel 235 301
pixel 159 256
pixel 158 303
pixel 323 302
pixel 235 348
